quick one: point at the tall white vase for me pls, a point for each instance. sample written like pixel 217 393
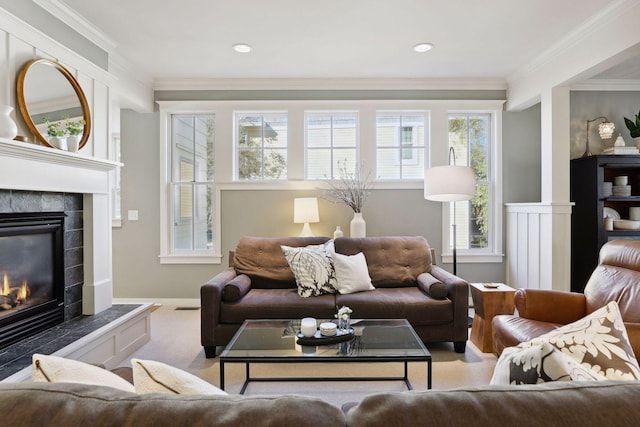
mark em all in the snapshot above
pixel 8 128
pixel 358 225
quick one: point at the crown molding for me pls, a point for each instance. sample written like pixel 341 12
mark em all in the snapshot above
pixel 78 23
pixel 330 84
pixel 601 21
pixel 608 85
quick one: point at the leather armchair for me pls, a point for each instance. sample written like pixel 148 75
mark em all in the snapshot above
pixel 616 278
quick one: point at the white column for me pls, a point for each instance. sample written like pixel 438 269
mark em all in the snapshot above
pixel 97 292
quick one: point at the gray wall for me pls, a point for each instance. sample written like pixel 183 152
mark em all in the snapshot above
pixel 138 273
pixel 39 18
pixel 589 105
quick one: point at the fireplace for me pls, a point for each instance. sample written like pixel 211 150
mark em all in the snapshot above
pixel 31 273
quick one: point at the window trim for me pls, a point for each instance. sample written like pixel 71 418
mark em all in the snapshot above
pixel 167 256
pixel 493 253
pixel 435 153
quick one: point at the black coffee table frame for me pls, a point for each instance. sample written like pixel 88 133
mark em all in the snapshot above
pixel 405 359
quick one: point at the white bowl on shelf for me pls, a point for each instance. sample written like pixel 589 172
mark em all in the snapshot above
pixel 625 224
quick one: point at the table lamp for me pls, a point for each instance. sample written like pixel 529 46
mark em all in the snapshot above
pixel 305 211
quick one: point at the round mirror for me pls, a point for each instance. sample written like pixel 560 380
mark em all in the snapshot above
pixel 52 102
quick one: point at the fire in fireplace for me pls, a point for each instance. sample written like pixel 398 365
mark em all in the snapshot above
pixel 32 272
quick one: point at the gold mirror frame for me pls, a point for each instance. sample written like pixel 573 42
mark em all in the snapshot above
pixel 22 104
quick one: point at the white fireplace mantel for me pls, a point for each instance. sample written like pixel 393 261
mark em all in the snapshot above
pixel 30 167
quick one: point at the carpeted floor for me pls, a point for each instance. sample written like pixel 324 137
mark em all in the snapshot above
pixel 175 340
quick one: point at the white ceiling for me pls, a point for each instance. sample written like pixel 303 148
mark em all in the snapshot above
pixel 191 39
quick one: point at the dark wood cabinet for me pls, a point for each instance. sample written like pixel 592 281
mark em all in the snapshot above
pixel 588 232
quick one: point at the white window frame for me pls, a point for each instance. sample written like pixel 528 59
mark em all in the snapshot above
pixel 333 174
pixel 417 144
pixel 436 153
pixel 236 146
pixel 116 188
pixel 493 252
pixel 167 255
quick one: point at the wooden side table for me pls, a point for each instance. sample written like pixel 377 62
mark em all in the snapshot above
pixel 489 302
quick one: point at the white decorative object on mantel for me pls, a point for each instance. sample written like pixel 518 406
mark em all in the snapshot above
pixel 8 128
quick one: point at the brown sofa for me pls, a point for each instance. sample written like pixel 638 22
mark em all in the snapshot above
pixel 396 265
pixel 616 278
pixel 606 403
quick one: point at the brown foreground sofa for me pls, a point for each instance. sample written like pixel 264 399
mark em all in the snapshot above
pixel 598 404
pixel 616 278
pixel 396 265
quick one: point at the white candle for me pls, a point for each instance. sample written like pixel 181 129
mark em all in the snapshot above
pixel 308 326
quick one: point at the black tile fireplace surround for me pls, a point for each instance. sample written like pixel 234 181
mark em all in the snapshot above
pixel 33 204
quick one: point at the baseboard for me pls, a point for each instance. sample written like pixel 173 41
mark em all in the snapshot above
pixel 178 302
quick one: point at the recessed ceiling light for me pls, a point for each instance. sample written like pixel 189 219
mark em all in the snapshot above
pixel 242 48
pixel 423 47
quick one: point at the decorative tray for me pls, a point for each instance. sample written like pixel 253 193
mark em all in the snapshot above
pixel 319 339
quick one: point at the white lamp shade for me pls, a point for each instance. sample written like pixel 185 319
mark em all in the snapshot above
pixel 449 183
pixel 305 210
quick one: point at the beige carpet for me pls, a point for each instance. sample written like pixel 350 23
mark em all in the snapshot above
pixel 175 340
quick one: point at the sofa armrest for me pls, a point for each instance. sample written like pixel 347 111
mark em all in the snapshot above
pixel 458 293
pixel 550 306
pixel 210 300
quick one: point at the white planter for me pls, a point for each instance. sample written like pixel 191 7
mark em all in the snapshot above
pixel 73 142
pixel 58 142
pixel 8 128
pixel 636 141
pixel 358 225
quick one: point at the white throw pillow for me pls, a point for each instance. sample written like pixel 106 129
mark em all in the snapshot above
pixel 539 364
pixel 312 267
pixel 157 377
pixel 55 369
pixel 598 342
pixel 352 273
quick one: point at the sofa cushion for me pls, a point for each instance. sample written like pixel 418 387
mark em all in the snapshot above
pixel 236 288
pixel 579 404
pixel 312 268
pixel 277 304
pixel 63 405
pixel 598 341
pixel 352 274
pixel 538 364
pixel 156 377
pixel 398 303
pixel 261 258
pixel 55 369
pixel 432 286
pixel 393 261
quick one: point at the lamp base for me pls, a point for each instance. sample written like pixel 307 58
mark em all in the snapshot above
pixel 306 231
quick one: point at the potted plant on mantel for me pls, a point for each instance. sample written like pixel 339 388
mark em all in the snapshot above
pixel 74 128
pixel 634 128
pixel 56 133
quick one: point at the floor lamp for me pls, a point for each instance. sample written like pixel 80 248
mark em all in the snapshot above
pixel 450 183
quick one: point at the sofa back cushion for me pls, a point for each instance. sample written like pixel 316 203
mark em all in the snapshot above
pixel 261 259
pixel 617 278
pixel 392 261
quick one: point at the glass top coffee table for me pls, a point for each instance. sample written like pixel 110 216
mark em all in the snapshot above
pixel 374 340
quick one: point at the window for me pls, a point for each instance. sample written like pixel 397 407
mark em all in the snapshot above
pixel 400 142
pixel 192 174
pixel 261 142
pixel 471 137
pixel 331 144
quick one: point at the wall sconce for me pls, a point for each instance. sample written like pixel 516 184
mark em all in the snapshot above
pixel 605 129
pixel 305 211
pixel 450 184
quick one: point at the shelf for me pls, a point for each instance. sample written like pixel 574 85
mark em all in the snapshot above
pixel 621 199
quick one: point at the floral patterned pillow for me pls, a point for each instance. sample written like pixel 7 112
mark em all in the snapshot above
pixel 538 364
pixel 598 341
pixel 313 268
